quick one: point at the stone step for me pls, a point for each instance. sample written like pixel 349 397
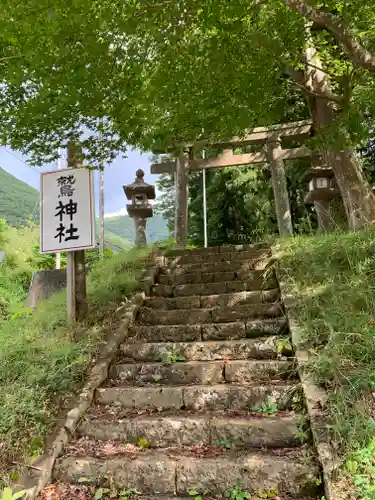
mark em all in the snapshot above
pixel 171 473
pixel 218 300
pixel 209 331
pixel 214 288
pixel 202 372
pixel 260 279
pixel 258 348
pixel 214 267
pixel 177 252
pixel 248 431
pixel 199 397
pixel 150 316
pixel 229 255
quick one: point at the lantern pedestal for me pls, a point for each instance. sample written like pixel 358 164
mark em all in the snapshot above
pixel 140 231
pixel 140 209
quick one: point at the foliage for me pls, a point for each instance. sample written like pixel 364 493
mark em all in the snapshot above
pixel 18 201
pixel 124 494
pixel 362 467
pixel 165 204
pixel 164 76
pixel 42 358
pixel 240 204
pixel 331 274
pixel 7 494
pixel 15 270
pixel 170 356
pixel 268 408
pixel 237 492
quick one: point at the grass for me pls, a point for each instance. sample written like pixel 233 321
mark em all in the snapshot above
pixel 42 360
pixel 16 268
pixel 333 277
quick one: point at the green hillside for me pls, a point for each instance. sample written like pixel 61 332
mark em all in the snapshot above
pixel 123 226
pixel 18 201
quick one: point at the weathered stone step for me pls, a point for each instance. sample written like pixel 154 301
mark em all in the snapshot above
pixel 218 249
pixel 202 372
pixel 214 331
pixel 245 265
pixel 213 288
pixel 193 429
pixel 189 258
pixel 260 279
pixel 199 398
pixel 258 348
pixel 156 472
pixel 228 314
pixel 218 300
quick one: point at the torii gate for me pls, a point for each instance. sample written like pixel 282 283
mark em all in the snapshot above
pixel 275 156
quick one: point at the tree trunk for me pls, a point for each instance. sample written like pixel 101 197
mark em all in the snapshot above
pixel 357 196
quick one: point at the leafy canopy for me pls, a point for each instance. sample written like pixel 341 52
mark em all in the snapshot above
pixel 144 73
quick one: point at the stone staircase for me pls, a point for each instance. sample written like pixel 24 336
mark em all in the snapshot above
pixel 204 394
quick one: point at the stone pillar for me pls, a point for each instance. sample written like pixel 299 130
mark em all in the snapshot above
pixel 140 231
pixel 280 189
pixel 182 195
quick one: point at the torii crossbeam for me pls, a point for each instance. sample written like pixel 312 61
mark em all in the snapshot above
pixel 271 136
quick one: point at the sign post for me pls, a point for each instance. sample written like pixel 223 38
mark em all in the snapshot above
pixel 67 214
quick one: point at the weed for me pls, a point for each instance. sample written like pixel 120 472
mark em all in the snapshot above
pixel 303 429
pixel 143 443
pixel 267 407
pixel 284 347
pixel 194 493
pixel 224 443
pixel 236 492
pixel 333 277
pixel 42 358
pixel 272 493
pixel 125 494
pixel 101 492
pixel 128 494
pixel 170 356
pixel 361 466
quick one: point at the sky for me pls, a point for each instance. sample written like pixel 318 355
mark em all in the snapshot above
pixel 120 172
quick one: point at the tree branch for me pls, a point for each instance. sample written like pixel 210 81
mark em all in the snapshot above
pixel 298 78
pixel 359 55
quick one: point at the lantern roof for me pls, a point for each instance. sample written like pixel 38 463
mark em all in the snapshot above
pixel 139 186
pixel 314 172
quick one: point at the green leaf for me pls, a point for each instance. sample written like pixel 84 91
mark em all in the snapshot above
pixel 192 492
pixel 7 494
pixel 84 479
pixel 18 495
pixel 99 494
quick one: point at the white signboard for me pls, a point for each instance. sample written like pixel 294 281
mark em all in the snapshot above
pixel 67 210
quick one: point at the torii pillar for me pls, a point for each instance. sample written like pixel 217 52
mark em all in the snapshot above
pixel 280 187
pixel 182 197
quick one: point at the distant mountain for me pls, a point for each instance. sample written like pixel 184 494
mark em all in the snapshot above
pixel 18 201
pixel 123 226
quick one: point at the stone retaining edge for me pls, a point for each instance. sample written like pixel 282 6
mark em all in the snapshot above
pixel 315 397
pixel 98 374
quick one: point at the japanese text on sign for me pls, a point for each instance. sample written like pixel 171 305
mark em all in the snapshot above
pixel 67 211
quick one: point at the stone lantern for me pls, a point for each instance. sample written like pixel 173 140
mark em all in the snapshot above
pixel 322 189
pixel 140 209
